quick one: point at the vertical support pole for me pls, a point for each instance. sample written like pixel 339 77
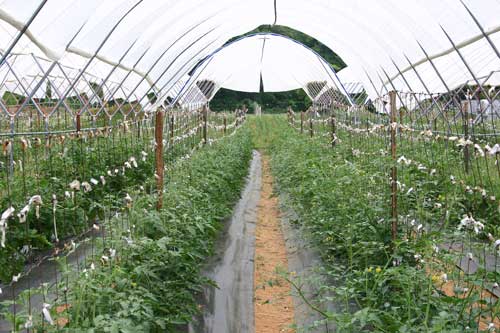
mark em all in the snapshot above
pixel 301 122
pixel 172 123
pixel 465 115
pixel 11 152
pixel 138 122
pixel 311 125
pixel 159 162
pixel 47 136
pixel 124 123
pixel 205 120
pixel 334 129
pixel 225 124
pixel 198 122
pixel 78 123
pixel 394 171
pixel 401 115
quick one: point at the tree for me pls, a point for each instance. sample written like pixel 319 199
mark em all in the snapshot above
pixel 277 102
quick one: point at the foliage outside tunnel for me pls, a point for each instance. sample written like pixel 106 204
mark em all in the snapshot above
pixel 227 99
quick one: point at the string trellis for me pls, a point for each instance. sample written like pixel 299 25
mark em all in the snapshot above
pixel 72 169
pixel 436 160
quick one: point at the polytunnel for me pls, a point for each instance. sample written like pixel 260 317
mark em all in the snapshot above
pixel 249 166
pixel 415 46
pixel 254 63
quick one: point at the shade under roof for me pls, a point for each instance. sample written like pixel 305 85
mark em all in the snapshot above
pixel 160 41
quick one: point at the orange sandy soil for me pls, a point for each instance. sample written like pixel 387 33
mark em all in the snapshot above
pixel 448 288
pixel 273 304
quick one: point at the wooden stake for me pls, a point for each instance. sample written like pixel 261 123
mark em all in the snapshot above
pixel 465 114
pixel 311 127
pixel 400 121
pixel 394 173
pixel 138 122
pixel 302 122
pixel 225 124
pixel 290 115
pixel 205 120
pixel 334 129
pixel 78 123
pixel 160 164
pixel 172 123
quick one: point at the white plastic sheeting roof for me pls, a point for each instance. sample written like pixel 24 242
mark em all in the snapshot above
pixel 159 41
pixel 350 81
pixel 185 94
pixel 282 63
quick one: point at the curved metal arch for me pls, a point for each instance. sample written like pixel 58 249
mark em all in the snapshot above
pixel 135 69
pixel 145 76
pixel 316 8
pixel 206 61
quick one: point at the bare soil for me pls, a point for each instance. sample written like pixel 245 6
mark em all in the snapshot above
pixel 273 303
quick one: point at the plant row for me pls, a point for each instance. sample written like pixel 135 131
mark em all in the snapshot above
pixel 145 275
pixel 342 196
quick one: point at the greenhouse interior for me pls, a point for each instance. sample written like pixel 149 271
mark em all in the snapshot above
pixel 263 166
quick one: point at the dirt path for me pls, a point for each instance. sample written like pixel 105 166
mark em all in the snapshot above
pixel 273 305
pixel 249 297
pixel 228 305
